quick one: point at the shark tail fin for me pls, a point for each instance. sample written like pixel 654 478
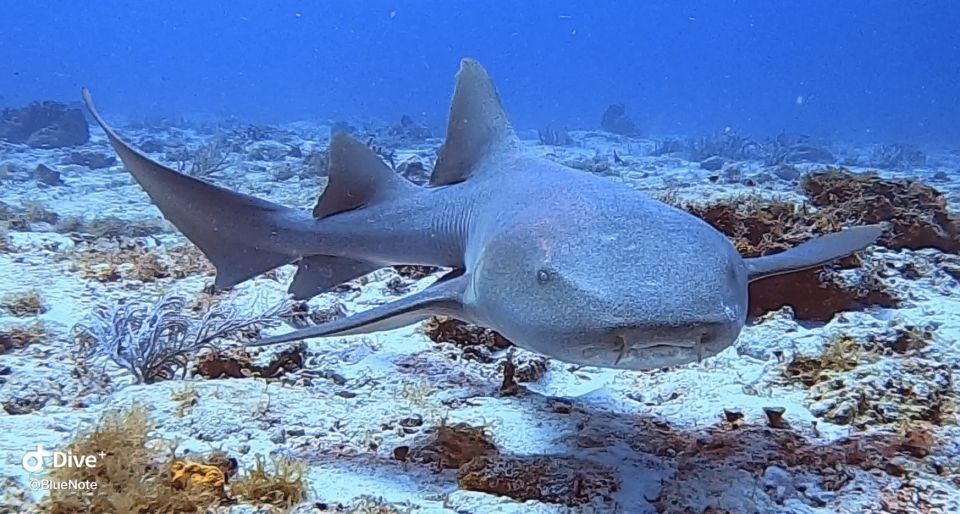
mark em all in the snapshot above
pixel 358 177
pixel 478 126
pixel 814 252
pixel 235 231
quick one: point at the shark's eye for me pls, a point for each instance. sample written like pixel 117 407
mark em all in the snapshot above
pixel 544 276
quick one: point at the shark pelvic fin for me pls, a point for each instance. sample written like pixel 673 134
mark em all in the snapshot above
pixel 478 127
pixel 814 252
pixel 320 273
pixel 358 177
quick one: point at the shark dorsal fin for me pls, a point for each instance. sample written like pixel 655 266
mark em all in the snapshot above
pixel 357 177
pixel 478 126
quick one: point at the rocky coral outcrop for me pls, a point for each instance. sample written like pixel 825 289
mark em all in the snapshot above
pixel 44 125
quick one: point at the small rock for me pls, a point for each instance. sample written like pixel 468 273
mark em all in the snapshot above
pixel 268 151
pixel 47 176
pixel 780 481
pixel 775 417
pixel 787 172
pixel 714 163
pixel 732 415
pixel 92 160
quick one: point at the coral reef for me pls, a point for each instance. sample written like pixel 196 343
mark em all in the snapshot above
pixel 16 337
pixel 22 304
pixel 845 388
pixel 555 479
pixel 616 121
pixel 787 149
pixel 238 364
pixel 409 130
pixel 554 137
pixel 47 176
pixel 808 469
pixel 476 342
pixel 453 446
pixel 759 227
pixel 44 125
pixel 917 213
pixel 92 160
pixel 896 157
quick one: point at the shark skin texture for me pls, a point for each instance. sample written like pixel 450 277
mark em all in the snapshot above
pixel 560 262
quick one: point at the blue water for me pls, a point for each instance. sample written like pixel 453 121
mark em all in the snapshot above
pixel 859 70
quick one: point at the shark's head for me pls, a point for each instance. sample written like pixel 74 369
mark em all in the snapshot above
pixel 607 292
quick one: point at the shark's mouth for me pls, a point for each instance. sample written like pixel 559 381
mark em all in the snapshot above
pixel 643 348
pixel 625 347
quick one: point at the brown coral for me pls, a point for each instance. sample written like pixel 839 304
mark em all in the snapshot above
pixel 194 475
pixel 26 303
pixel 19 337
pixel 561 480
pixel 917 213
pixel 758 227
pixel 134 262
pixel 477 342
pixel 238 364
pixel 453 446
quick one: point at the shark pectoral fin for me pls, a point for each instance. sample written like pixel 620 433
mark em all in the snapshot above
pixel 320 273
pixel 814 252
pixel 358 177
pixel 478 126
pixel 442 297
pixel 230 228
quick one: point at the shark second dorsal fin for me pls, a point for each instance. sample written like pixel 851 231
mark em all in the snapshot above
pixel 357 177
pixel 478 126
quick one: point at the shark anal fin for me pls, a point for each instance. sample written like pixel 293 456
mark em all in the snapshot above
pixel 478 127
pixel 443 297
pixel 237 232
pixel 358 177
pixel 320 273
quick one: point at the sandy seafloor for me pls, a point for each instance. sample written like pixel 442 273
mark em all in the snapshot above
pixel 382 378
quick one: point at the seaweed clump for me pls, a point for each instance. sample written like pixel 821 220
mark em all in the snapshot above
pixel 283 488
pixel 453 446
pixel 134 474
pixel 15 338
pixel 130 475
pixel 917 213
pixel 27 303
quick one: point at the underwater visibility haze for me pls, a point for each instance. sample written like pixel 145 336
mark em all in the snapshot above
pixel 479 257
